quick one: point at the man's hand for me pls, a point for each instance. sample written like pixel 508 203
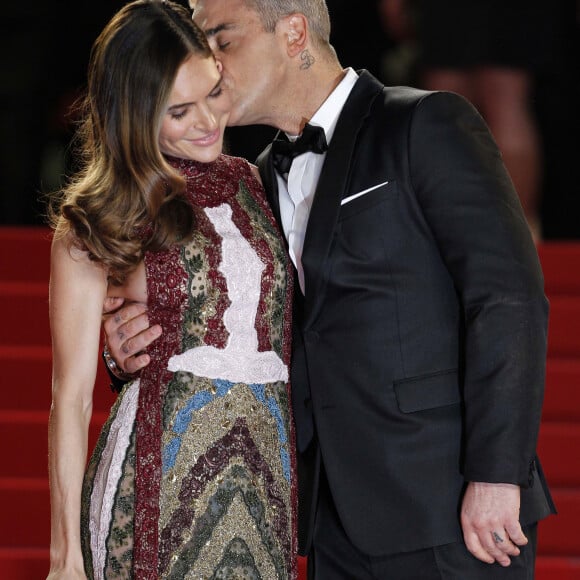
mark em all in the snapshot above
pixel 128 333
pixel 490 521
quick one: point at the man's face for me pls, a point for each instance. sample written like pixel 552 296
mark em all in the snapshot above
pixel 252 58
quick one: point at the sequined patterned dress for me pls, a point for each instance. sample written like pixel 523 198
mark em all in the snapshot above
pixel 193 473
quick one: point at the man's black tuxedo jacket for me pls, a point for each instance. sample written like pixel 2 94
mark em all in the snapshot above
pixel 420 348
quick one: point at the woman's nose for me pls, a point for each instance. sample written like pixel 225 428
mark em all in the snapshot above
pixel 206 120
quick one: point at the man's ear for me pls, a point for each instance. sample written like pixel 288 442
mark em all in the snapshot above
pixel 296 33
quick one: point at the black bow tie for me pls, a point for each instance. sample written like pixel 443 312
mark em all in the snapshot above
pixel 284 151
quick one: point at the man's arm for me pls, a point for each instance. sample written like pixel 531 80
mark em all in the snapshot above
pixel 478 224
pixel 128 335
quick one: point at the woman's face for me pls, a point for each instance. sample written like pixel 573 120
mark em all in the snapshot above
pixel 197 112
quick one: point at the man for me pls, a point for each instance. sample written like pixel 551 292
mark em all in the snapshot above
pixel 420 325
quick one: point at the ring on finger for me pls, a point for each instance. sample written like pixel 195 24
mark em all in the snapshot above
pixel 114 367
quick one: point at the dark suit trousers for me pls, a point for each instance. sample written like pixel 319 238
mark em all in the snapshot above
pixel 333 557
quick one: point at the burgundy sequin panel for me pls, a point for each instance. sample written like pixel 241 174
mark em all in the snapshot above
pixel 167 291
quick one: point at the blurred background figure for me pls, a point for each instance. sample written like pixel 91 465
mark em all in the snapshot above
pixel 490 51
pixel 41 77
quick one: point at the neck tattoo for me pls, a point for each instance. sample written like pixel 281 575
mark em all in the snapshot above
pixel 307 60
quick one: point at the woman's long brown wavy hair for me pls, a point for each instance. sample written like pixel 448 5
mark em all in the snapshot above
pixel 125 198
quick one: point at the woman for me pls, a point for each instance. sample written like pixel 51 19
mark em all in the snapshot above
pixel 193 473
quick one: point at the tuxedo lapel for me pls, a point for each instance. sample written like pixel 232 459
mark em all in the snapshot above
pixel 332 186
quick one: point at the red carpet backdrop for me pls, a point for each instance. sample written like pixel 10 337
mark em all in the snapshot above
pixel 25 371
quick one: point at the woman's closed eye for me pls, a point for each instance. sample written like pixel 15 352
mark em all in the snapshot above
pixel 216 92
pixel 178 114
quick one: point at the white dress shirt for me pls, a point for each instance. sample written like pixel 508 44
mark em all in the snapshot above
pixel 297 194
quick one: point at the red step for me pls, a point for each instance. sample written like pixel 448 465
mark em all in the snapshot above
pixel 554 568
pixel 25 443
pixel 559 452
pixel 564 326
pixel 558 534
pixel 24 563
pixel 27 371
pixel 24 312
pixel 25 253
pixel 32 564
pixel 562 395
pixel 26 507
pixel 561 266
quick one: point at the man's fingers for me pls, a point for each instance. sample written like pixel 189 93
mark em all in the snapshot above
pixel 474 546
pixel 499 545
pixel 128 335
pixel 134 358
pixel 491 546
pixel 117 318
pixel 112 303
pixel 129 354
pixel 516 533
pixel 490 522
pixel 127 312
pixel 137 343
pixel 125 323
pixel 135 363
pixel 133 336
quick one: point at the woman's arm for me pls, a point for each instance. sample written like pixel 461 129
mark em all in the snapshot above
pixel 77 291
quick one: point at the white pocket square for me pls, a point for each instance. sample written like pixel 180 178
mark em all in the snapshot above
pixel 361 193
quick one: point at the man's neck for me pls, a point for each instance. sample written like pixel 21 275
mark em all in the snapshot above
pixel 308 90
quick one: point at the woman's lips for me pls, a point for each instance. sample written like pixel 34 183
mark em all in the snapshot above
pixel 208 139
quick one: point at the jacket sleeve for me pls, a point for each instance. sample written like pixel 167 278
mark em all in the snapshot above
pixel 477 221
